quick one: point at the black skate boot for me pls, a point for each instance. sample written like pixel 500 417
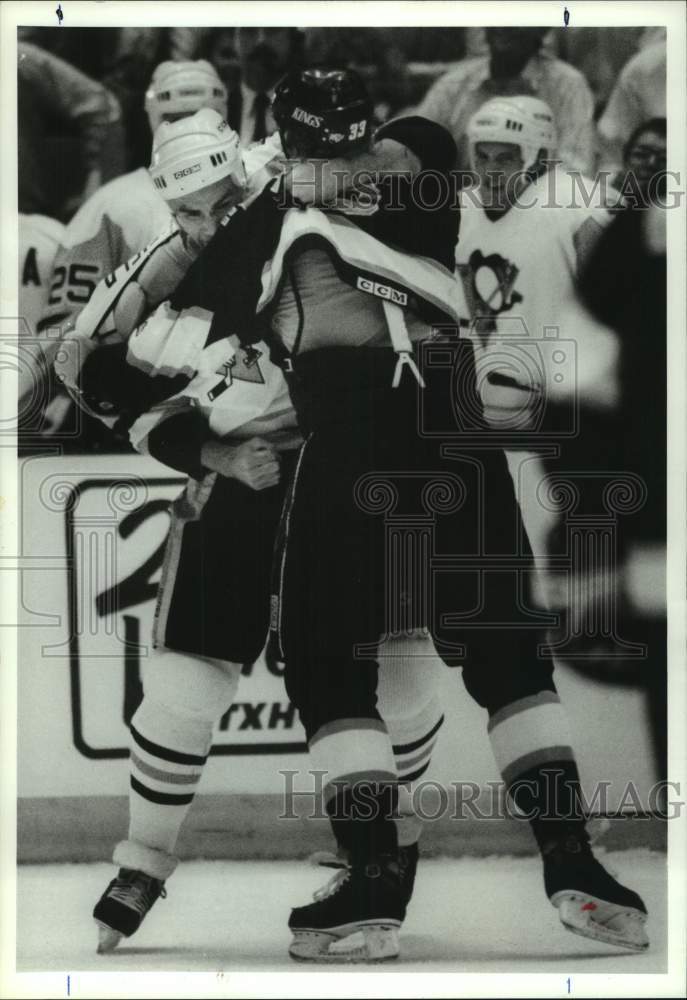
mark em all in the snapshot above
pixel 122 907
pixel 408 858
pixel 589 900
pixel 366 899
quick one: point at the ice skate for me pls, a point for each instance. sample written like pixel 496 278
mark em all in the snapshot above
pixel 122 907
pixel 589 900
pixel 356 916
pixel 408 858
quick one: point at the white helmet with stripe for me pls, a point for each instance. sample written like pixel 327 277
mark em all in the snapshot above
pixel 193 153
pixel 525 122
pixel 182 88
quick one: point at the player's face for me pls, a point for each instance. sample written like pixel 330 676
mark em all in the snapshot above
pixel 497 165
pixel 199 214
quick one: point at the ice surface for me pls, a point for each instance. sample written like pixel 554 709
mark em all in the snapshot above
pixel 467 915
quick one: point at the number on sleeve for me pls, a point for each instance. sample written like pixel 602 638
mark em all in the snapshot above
pixel 77 280
pixel 57 283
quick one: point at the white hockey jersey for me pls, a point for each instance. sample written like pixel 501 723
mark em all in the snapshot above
pixel 518 273
pixel 239 391
pixel 39 241
pixel 120 219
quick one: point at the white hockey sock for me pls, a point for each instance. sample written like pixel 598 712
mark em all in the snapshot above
pixel 409 700
pixel 168 753
pixel 171 736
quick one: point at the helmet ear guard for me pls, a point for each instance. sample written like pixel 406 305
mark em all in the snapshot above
pixel 182 88
pixel 523 121
pixel 322 113
pixel 193 153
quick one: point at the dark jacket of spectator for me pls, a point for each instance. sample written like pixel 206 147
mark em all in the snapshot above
pixel 55 99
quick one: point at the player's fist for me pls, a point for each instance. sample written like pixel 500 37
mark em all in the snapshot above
pixel 254 463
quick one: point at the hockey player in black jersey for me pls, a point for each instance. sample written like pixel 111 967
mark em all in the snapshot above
pixel 353 299
pixel 199 403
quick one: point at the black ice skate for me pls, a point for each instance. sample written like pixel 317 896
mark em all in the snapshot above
pixel 120 910
pixel 366 900
pixel 408 858
pixel 589 901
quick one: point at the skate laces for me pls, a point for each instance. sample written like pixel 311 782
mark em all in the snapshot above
pixel 338 879
pixel 137 891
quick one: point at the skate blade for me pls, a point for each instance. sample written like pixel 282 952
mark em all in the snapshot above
pixel 602 921
pixel 108 939
pixel 373 942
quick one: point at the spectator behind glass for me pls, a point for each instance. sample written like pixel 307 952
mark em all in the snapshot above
pixel 379 56
pixel 516 65
pixel 219 48
pixel 54 100
pixel 644 156
pixel 639 95
pixel 250 61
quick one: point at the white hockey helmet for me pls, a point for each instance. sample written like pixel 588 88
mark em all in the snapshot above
pixel 525 122
pixel 193 153
pixel 182 88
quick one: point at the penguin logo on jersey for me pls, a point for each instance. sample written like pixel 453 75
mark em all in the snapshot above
pixel 488 284
pixel 242 366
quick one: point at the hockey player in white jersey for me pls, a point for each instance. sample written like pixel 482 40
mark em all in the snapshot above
pixel 123 216
pixel 39 241
pixel 525 231
pixel 204 405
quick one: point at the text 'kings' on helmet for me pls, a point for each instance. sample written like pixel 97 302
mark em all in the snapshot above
pixel 322 112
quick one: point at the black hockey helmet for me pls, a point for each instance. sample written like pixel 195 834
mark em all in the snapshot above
pixel 322 112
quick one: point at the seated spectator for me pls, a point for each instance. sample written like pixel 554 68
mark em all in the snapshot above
pixel 53 98
pixel 644 156
pixel 516 65
pixel 376 54
pixel 599 54
pixel 639 94
pixel 219 48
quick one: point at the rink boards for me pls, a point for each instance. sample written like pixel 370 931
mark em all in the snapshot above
pixel 89 553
